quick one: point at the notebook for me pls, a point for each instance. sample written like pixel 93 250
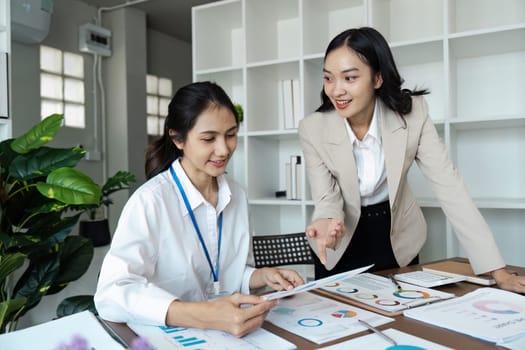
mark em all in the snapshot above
pixel 458 268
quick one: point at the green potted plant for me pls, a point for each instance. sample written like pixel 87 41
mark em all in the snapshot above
pixel 40 193
pixel 96 228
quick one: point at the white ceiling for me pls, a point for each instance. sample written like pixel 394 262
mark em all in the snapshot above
pixel 172 17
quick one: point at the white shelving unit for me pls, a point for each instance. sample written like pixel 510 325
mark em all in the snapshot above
pixel 469 53
pixel 5 47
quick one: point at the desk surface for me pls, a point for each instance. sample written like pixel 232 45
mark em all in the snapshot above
pixel 436 334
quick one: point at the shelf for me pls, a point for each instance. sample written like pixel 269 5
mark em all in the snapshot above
pixel 230 80
pixel 471 15
pixel 470 54
pixel 274 201
pixel 272 34
pixel 218 36
pixel 323 20
pixel 500 122
pixel 491 161
pixel 289 134
pixel 428 21
pixel 263 90
pixel 487 71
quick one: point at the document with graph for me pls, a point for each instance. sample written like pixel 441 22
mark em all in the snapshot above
pixel 208 339
pixel 487 313
pixel 320 319
pixel 382 295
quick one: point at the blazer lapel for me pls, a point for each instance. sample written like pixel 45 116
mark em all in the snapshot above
pixel 394 137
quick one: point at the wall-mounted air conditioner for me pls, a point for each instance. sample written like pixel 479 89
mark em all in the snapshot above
pixel 30 20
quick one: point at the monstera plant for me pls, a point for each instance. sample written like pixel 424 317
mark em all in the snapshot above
pixel 41 196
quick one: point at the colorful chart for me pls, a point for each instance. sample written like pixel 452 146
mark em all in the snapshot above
pixel 497 307
pixel 348 290
pixel 333 285
pixel 411 294
pixel 283 310
pixel 344 314
pixel 309 322
pixel 387 302
pixel 366 296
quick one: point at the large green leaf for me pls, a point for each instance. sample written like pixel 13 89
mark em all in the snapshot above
pixel 38 135
pixel 37 279
pixel 74 304
pixel 70 186
pixel 10 263
pixel 43 161
pixel 75 258
pixel 6 154
pixel 8 309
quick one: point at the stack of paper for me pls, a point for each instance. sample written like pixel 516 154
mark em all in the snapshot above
pixel 52 334
pixel 487 313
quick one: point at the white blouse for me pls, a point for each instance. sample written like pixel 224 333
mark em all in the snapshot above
pixel 156 256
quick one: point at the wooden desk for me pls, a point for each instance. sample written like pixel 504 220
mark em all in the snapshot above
pixel 436 334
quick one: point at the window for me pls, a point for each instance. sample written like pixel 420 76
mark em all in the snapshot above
pixel 159 92
pixel 62 86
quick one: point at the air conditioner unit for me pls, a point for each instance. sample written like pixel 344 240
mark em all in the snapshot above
pixel 30 20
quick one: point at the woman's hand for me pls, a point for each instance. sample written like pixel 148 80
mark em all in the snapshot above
pixel 509 281
pixel 275 278
pixel 237 314
pixel 327 234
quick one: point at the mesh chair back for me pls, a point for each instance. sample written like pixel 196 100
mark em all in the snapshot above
pixel 283 249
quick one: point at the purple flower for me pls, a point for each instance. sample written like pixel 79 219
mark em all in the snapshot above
pixel 140 343
pixel 77 343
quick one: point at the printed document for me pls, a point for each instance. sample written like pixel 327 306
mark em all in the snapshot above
pixel 320 319
pixel 487 313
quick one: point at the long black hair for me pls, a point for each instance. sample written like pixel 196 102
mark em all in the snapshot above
pixel 184 109
pixel 374 51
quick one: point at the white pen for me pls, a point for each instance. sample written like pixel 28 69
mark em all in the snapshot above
pixel 378 332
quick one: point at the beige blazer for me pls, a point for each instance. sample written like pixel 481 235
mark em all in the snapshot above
pixel 332 173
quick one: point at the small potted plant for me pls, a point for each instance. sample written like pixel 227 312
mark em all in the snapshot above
pixel 96 227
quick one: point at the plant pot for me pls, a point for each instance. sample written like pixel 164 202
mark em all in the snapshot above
pixel 97 231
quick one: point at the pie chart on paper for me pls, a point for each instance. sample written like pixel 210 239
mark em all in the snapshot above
pixel 344 314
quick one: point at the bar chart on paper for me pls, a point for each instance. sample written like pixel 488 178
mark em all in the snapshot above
pixel 200 339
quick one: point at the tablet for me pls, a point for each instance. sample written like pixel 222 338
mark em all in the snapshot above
pixel 427 279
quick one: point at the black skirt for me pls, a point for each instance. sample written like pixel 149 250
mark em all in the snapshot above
pixel 370 244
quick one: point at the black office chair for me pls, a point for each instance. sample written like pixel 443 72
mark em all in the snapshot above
pixel 283 249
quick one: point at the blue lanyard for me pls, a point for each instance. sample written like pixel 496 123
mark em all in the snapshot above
pixel 215 272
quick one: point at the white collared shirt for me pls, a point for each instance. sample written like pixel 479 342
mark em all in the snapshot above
pixel 156 256
pixel 370 162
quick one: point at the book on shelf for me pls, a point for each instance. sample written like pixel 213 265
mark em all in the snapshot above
pixel 459 268
pixel 288 176
pixel 289 103
pixel 286 103
pixel 380 294
pixel 296 103
pixel 293 175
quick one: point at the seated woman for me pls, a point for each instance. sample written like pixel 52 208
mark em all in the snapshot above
pixel 181 254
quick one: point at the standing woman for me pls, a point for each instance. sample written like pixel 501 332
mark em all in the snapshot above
pixel 359 146
pixel 181 254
